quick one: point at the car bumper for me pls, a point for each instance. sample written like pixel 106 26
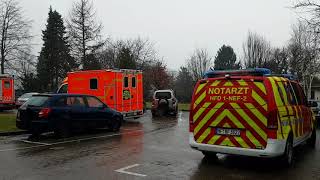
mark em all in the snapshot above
pixel 274 148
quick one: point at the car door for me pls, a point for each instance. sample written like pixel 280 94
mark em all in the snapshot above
pixel 78 109
pixel 98 111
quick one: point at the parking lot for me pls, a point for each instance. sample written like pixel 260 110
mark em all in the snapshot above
pixel 145 148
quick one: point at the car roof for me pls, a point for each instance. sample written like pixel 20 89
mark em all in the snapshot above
pixel 63 95
pixel 164 90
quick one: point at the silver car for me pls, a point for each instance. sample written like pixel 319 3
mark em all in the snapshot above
pixel 24 98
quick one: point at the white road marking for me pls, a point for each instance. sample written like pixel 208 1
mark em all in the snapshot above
pixel 180 117
pixel 123 170
pixel 33 142
pixel 69 141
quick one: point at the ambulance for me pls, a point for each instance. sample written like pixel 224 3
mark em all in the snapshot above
pixel 7 92
pixel 121 90
pixel 251 113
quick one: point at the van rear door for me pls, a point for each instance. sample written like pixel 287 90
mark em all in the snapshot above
pixel 231 112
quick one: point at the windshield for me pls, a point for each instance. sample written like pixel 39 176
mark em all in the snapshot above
pixel 37 101
pixel 163 95
pixel 27 95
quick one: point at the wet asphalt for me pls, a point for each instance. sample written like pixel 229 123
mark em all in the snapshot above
pixel 146 148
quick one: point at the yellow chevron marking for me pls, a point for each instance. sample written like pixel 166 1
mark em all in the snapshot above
pixel 207 117
pixel 200 111
pixel 227 113
pixel 285 97
pixel 215 83
pixel 261 101
pixel 214 139
pixel 261 87
pixel 241 142
pixel 257 113
pixel 253 139
pixel 277 78
pixel 276 92
pixel 249 120
pixel 204 135
pixel 227 142
pixel 226 125
pixel 200 98
pixel 242 82
pixel 200 87
pixel 228 83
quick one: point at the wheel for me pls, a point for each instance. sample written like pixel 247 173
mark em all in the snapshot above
pixel 116 124
pixel 313 139
pixel 287 157
pixel 62 130
pixel 210 155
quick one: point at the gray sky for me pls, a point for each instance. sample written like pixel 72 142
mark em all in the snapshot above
pixel 177 27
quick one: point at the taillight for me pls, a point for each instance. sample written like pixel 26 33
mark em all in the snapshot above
pixel 273 120
pixel 272 124
pixel 44 113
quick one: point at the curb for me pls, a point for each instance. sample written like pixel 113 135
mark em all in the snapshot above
pixel 13 133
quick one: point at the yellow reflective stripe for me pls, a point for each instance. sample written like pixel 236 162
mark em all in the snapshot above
pixel 261 87
pixel 226 125
pixel 200 98
pixel 214 139
pixel 204 135
pixel 207 117
pixel 200 87
pixel 277 78
pixel 226 142
pixel 261 101
pixel 241 142
pixel 242 82
pixel 228 83
pixel 215 83
pixel 200 111
pixel 232 118
pixel 249 120
pixel 253 139
pixel 285 97
pixel 297 117
pixel 276 92
pixel 257 113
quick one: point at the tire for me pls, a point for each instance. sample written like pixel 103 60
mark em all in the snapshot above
pixel 313 139
pixel 210 155
pixel 63 129
pixel 116 124
pixel 287 157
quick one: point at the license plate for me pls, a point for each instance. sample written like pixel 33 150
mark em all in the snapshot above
pixel 230 132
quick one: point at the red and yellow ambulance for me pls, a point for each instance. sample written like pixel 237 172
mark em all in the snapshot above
pixel 251 113
pixel 121 89
pixel 7 92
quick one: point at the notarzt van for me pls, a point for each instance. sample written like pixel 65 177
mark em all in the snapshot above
pixel 250 113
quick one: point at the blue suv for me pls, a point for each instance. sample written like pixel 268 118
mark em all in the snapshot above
pixel 63 113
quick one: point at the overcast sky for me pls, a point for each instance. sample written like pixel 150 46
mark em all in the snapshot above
pixel 177 27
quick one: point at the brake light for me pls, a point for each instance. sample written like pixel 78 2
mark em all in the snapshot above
pixel 44 113
pixel 273 120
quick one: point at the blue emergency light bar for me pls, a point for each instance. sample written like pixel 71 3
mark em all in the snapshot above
pixel 244 72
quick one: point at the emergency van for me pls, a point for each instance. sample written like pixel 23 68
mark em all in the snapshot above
pixel 251 113
pixel 121 89
pixel 7 92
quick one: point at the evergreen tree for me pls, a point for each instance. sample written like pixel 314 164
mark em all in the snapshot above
pixel 126 59
pixel 226 59
pixel 55 60
pixel 184 85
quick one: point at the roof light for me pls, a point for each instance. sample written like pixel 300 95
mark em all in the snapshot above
pixel 227 73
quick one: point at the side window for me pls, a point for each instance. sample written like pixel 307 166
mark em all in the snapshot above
pixel 94 102
pixel 301 98
pixel 7 84
pixel 290 94
pixel 75 101
pixel 60 102
pixel 133 82
pixel 93 84
pixel 126 82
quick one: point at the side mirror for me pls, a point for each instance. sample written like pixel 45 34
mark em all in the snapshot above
pixel 312 104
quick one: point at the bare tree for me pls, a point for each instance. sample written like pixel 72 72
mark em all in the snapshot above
pixel 304 54
pixel 14 35
pixel 311 8
pixel 199 62
pixel 256 50
pixel 84 31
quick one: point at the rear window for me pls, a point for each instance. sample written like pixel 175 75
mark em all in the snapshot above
pixel 163 95
pixel 37 100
